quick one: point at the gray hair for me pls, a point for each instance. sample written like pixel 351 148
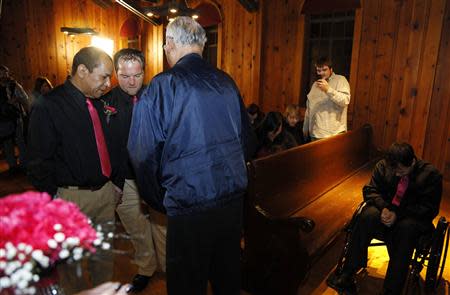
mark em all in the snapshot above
pixel 186 31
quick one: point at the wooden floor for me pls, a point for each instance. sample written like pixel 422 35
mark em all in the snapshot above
pixel 369 281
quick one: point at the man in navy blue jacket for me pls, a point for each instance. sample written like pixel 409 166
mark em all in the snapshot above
pixel 188 143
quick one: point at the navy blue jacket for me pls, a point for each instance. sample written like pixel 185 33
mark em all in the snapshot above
pixel 188 138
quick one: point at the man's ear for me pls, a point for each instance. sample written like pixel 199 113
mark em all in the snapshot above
pixel 82 71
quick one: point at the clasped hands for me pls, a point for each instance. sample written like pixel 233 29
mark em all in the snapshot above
pixel 323 85
pixel 388 217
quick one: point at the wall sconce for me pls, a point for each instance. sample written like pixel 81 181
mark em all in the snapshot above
pixel 76 31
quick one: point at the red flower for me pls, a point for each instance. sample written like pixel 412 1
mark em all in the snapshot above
pixel 110 110
pixel 39 230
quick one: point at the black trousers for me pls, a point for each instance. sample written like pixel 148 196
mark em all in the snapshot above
pixel 401 239
pixel 205 246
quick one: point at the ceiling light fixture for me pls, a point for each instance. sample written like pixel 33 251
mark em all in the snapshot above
pixel 171 9
pixel 76 31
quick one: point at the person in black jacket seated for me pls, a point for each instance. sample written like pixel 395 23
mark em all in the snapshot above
pixel 293 124
pixel 403 198
pixel 271 136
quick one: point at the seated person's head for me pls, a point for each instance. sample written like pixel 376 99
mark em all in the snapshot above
pixel 401 157
pixel 42 85
pixel 292 115
pixel 5 78
pixel 253 112
pixel 271 127
pixel 4 72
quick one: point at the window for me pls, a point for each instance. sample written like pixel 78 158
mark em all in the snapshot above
pixel 327 35
pixel 210 50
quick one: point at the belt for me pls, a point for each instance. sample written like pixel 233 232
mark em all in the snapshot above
pixel 87 188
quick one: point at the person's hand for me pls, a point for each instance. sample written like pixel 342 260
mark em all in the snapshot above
pixel 119 194
pixel 323 85
pixel 108 288
pixel 305 135
pixel 388 217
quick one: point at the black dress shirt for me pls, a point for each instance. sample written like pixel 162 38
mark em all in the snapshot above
pixel 119 126
pixel 62 147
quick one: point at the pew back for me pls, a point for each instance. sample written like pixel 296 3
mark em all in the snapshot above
pixel 297 202
pixel 286 182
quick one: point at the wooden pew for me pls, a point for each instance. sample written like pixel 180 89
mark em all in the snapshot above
pixel 298 201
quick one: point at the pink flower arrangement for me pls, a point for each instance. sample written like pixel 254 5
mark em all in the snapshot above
pixel 35 233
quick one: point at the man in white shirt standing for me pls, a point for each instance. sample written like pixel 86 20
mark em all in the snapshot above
pixel 326 107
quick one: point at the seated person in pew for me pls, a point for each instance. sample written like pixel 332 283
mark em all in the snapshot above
pixel 327 103
pixel 255 115
pixel 403 198
pixel 293 122
pixel 271 136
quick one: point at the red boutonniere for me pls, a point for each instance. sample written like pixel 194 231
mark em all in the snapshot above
pixel 108 110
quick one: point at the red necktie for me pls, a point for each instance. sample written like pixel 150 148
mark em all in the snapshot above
pixel 401 189
pixel 100 140
pixel 135 99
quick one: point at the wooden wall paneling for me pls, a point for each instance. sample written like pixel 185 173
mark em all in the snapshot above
pixel 265 47
pixel 21 40
pixel 219 36
pixel 232 18
pixel 426 76
pixel 446 168
pixel 354 64
pixel 398 73
pixel 283 28
pixel 229 16
pixel 235 24
pixel 275 68
pixel 68 40
pixel 51 48
pixel 62 63
pixel 292 61
pixel 237 50
pixel 370 27
pixel 152 41
pixel 437 136
pixel 273 98
pixel 34 53
pixel 298 57
pixel 42 28
pixel 413 53
pixel 256 57
pixel 378 96
pixel 31 46
pixel 246 55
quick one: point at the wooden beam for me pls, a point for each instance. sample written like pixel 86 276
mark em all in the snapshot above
pixel 103 3
pixel 137 12
pixel 250 5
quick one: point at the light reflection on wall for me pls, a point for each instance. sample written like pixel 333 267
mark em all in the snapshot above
pixel 105 44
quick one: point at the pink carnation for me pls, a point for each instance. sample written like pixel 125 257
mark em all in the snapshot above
pixel 30 218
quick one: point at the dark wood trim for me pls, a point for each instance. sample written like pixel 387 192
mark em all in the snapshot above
pixel 250 5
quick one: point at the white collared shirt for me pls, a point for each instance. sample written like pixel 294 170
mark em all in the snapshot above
pixel 326 113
